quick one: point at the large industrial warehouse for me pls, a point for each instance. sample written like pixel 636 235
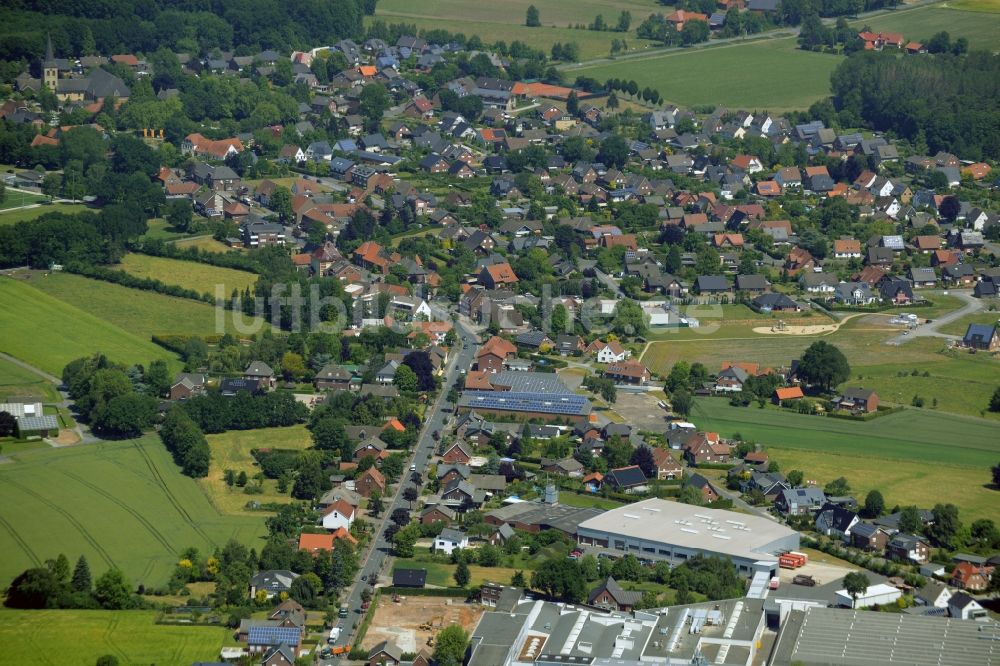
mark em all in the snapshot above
pixel 656 529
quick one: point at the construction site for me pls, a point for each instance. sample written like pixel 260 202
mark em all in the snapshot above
pixel 412 622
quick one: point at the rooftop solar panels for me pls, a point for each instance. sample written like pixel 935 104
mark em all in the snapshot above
pixel 514 401
pixel 274 635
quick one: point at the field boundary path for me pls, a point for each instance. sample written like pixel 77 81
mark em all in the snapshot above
pixel 85 436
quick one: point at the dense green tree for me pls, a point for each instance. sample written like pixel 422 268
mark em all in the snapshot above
pixel 179 214
pixel 874 504
pixel 630 319
pixel 405 379
pixel 462 574
pixel 450 646
pixel 824 365
pixel 81 581
pixel 643 457
pixel 560 577
pixel 681 402
pixel 112 590
pixel 532 18
pixel 837 487
pixel 310 481
pixel 856 583
pixel 910 521
pixel 614 151
pixel 946 528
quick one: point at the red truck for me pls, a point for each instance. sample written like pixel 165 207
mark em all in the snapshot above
pixel 792 560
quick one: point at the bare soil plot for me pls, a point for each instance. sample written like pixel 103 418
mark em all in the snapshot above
pixel 400 622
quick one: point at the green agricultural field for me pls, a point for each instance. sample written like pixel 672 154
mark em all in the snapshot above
pixel 18 383
pixel 47 332
pixel 203 278
pixel 142 313
pixel 920 24
pixel 900 482
pixel 592 44
pixel 767 74
pixel 24 214
pixel 231 450
pixel 913 435
pixel 961 383
pixel 121 504
pixel 80 637
pixel 562 13
pixel 976 5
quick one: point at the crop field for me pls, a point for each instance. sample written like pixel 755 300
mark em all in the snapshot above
pixel 24 214
pixel 562 13
pixel 18 383
pixel 592 44
pixel 980 27
pixel 231 450
pixel 913 435
pixel 203 278
pixel 48 332
pixel 143 313
pixel 80 637
pixel 121 504
pixel 743 75
pixel 900 482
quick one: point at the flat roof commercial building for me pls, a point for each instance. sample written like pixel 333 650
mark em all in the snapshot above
pixel 657 529
pixel 567 407
pixel 836 637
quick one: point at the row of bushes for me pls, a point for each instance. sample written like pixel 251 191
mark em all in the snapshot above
pixel 837 307
pixel 880 412
pixel 237 260
pixel 146 284
pixel 178 343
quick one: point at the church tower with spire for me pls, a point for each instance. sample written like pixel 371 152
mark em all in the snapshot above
pixel 50 69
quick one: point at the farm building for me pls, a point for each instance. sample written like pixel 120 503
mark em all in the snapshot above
pixel 656 529
pixel 31 419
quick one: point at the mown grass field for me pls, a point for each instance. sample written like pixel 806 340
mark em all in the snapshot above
pixel 231 450
pixel 961 325
pixel 48 332
pixel 203 278
pixel 913 435
pixel 961 383
pixel 980 26
pixel 443 575
pixel 15 216
pixel 562 13
pixel 204 243
pixel 17 198
pixel 767 74
pixel 588 501
pixel 900 482
pixel 20 384
pixel 122 504
pixel 80 637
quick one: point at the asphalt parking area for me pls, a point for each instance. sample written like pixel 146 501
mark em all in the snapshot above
pixel 640 410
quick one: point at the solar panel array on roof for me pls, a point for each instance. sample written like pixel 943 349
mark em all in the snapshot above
pixel 32 423
pixel 526 402
pixel 274 635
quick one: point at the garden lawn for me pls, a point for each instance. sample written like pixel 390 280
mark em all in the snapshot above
pixel 588 501
pixel 17 198
pixel 143 313
pixel 24 214
pixel 900 482
pixel 122 504
pixel 231 450
pixel 80 637
pixel 47 332
pixel 20 384
pixel 203 278
pixel 739 75
pixel 913 435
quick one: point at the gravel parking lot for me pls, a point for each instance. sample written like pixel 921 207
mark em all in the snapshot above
pixel 641 411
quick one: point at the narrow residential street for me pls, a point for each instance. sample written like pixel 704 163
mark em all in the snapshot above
pixel 373 561
pixel 972 306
